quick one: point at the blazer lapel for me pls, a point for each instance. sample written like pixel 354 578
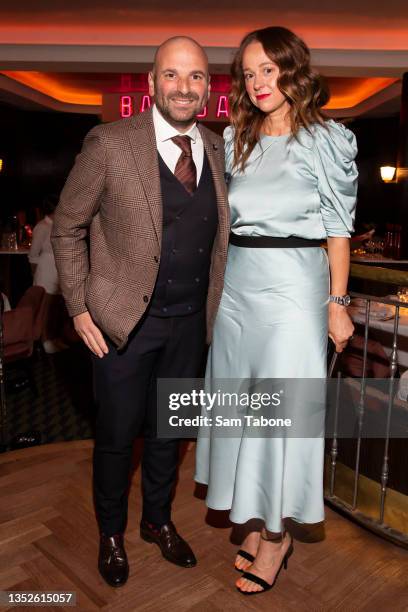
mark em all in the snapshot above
pixel 211 148
pixel 143 142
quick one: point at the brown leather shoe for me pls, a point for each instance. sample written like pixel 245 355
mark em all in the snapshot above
pixel 172 546
pixel 112 563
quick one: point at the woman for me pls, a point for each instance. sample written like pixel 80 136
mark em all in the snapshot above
pixel 292 182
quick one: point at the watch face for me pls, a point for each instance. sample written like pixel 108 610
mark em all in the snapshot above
pixel 347 300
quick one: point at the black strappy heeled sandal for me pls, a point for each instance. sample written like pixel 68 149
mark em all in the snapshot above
pixel 246 555
pixel 260 581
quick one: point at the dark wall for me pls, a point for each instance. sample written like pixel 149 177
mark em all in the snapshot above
pixel 377 141
pixel 38 150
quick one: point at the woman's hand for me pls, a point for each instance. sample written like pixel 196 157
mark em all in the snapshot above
pixel 341 327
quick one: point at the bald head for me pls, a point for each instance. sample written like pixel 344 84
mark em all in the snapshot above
pixel 182 44
pixel 179 81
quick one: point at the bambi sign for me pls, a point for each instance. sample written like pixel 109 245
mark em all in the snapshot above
pixel 119 106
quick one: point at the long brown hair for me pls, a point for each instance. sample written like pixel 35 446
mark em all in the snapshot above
pixel 303 88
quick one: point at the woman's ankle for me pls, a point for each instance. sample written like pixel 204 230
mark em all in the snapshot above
pixel 271 536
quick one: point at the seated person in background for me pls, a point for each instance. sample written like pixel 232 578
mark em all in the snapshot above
pixel 403 387
pixel 6 302
pixel 41 258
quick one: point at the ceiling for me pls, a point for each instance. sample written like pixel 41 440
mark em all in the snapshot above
pixel 64 56
pixel 341 25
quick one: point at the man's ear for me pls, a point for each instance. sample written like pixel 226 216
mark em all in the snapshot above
pixel 150 80
pixel 209 86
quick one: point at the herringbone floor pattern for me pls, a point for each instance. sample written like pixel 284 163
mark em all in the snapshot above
pixel 48 540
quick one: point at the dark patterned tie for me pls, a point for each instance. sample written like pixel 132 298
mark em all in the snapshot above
pixel 185 171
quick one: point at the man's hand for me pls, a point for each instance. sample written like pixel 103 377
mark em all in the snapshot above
pixel 90 334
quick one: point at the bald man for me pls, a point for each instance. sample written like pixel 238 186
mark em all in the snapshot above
pixel 140 239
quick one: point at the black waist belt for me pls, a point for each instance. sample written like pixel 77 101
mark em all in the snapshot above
pixel 272 242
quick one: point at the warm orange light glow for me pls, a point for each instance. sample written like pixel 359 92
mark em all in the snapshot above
pixel 1 165
pixel 346 93
pixel 50 86
pixel 359 91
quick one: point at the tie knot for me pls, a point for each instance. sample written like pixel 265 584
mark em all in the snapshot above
pixel 184 142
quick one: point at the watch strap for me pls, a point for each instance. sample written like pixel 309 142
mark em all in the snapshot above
pixel 343 300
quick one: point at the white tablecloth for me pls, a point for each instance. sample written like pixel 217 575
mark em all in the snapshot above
pixel 385 330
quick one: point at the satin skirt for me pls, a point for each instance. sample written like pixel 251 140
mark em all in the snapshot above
pixel 271 323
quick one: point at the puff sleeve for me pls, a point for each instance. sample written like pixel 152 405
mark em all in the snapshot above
pixel 335 150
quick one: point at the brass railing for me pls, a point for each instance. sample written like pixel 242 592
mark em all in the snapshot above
pixel 367 500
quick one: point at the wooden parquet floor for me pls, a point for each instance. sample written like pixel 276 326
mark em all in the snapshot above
pixel 49 541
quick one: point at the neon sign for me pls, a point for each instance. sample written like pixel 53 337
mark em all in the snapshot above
pixel 222 107
pixel 145 103
pixel 204 113
pixel 126 106
pixel 121 106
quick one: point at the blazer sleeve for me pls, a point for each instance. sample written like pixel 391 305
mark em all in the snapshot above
pixel 80 200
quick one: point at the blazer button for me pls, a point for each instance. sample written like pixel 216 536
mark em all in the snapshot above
pixel 156 259
pixel 145 298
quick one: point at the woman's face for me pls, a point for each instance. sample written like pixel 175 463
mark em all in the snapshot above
pixel 261 75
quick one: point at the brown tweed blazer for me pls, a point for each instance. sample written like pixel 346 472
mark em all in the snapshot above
pixel 108 224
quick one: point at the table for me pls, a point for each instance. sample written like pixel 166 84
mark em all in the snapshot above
pixel 377 259
pixel 19 251
pixel 385 331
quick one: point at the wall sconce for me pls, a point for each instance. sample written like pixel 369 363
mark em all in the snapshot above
pixel 1 165
pixel 387 173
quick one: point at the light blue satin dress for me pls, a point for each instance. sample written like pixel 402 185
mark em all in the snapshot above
pixel 272 319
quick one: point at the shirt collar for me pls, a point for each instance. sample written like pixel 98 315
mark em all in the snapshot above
pixel 164 131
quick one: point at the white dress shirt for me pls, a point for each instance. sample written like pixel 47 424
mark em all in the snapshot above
pixel 170 152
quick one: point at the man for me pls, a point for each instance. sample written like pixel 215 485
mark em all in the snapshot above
pixel 148 192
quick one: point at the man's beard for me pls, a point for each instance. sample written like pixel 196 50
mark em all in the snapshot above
pixel 163 105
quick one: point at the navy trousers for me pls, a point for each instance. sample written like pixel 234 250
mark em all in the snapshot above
pixel 125 391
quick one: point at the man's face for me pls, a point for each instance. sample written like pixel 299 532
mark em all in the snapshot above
pixel 180 83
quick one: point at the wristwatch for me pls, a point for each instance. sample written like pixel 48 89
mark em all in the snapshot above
pixel 343 300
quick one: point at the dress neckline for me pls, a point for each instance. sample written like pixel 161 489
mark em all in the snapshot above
pixel 263 135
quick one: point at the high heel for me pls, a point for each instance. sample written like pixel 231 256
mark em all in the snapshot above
pixel 246 555
pixel 287 555
pixel 260 581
